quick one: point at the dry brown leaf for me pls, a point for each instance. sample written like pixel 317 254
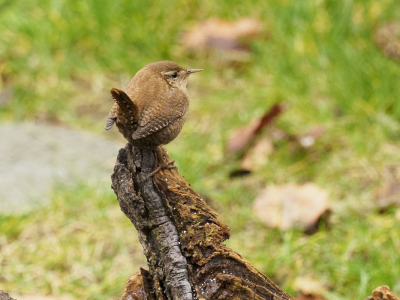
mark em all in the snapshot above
pixel 382 292
pixel 388 194
pixel 222 34
pixel 241 137
pixel 387 38
pixel 291 205
pixel 258 155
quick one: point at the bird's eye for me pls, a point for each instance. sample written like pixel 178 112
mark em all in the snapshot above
pixel 174 75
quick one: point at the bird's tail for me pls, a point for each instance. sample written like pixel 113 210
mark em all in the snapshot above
pixel 122 104
pixel 109 123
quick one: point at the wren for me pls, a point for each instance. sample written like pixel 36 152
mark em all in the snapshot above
pixel 152 110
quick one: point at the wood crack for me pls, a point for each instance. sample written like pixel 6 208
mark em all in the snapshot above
pixel 181 238
pixel 157 233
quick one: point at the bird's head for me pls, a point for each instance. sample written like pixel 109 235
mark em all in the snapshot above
pixel 175 75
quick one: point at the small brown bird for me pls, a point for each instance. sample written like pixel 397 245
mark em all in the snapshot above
pixel 152 111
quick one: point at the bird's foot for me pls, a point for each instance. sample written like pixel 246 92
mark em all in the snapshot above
pixel 163 165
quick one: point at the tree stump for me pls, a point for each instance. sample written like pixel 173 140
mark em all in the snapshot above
pixel 4 296
pixel 181 238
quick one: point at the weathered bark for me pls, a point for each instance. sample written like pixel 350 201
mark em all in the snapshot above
pixel 181 237
pixel 4 296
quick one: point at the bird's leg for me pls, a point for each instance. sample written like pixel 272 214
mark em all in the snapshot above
pixel 161 161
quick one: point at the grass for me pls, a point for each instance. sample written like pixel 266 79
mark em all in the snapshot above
pixel 60 250
pixel 60 58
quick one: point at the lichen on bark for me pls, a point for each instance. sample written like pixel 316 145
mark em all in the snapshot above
pixel 181 237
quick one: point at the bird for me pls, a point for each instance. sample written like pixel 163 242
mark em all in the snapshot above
pixel 153 108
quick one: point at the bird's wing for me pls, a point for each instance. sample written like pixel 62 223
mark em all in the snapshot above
pixel 123 105
pixel 160 114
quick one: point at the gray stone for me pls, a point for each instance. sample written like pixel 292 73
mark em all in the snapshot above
pixel 33 158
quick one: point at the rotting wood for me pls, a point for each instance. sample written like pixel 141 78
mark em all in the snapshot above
pixel 4 296
pixel 382 292
pixel 181 237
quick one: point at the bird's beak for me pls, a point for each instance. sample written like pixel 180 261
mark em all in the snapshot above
pixel 190 71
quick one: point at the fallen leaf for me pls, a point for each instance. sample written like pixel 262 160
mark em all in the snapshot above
pixel 222 34
pixel 291 205
pixel 388 195
pixel 387 38
pixel 241 137
pixel 382 292
pixel 258 155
